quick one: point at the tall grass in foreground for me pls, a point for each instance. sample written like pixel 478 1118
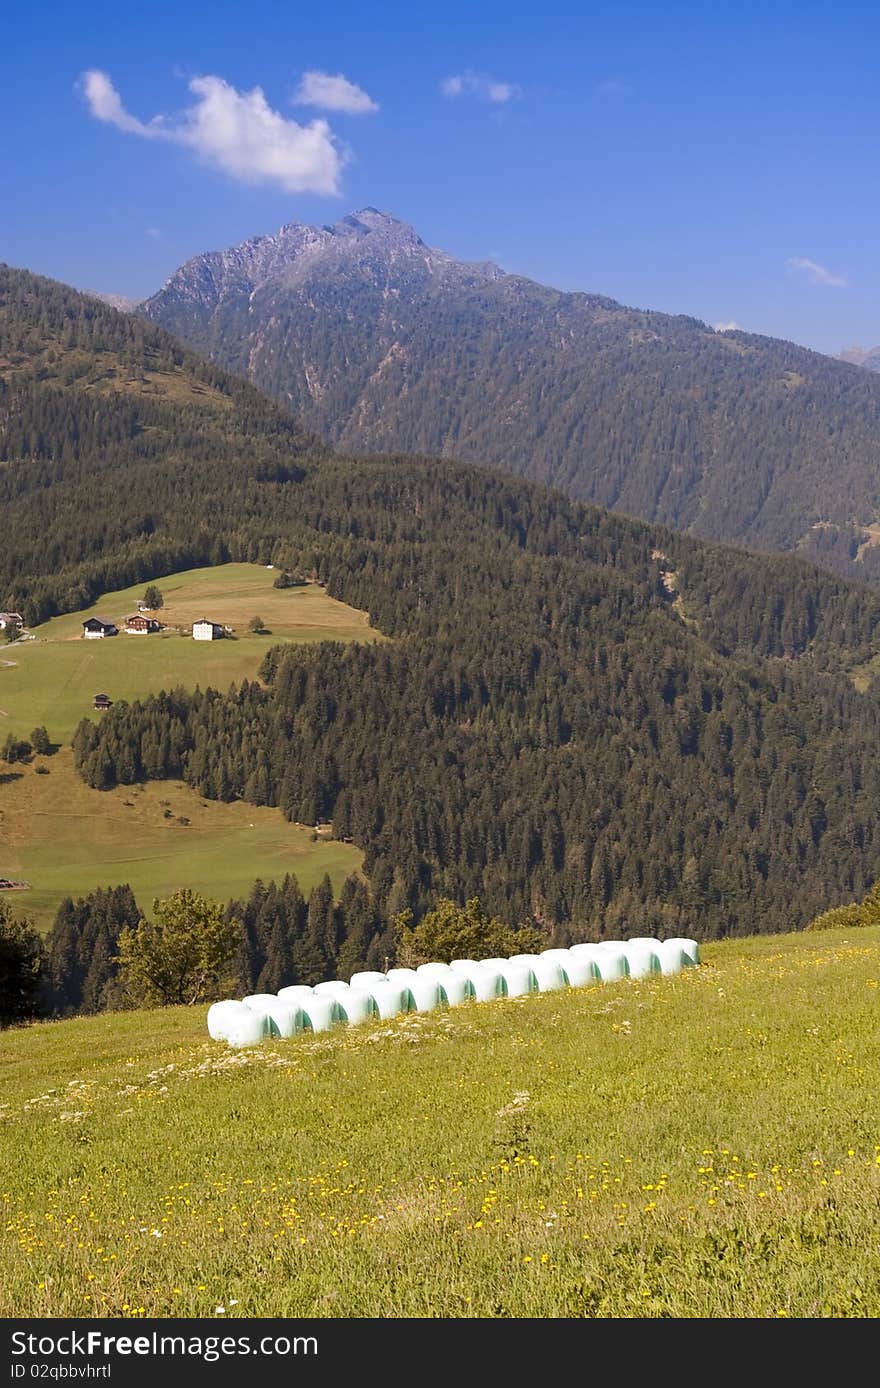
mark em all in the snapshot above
pixel 706 1145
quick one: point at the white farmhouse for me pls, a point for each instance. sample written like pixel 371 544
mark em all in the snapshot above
pixel 204 630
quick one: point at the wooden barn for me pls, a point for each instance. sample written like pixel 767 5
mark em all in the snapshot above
pixel 139 625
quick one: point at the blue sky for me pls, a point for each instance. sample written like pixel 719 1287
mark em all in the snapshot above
pixel 717 160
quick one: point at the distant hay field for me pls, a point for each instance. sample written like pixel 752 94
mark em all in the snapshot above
pixel 53 679
pixel 66 839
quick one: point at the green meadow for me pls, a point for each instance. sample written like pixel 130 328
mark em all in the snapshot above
pixel 64 839
pixel 699 1146
pixel 53 679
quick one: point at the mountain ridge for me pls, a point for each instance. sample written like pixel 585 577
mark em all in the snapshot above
pixel 247 266
pixel 866 357
pixel 123 302
pixel 381 343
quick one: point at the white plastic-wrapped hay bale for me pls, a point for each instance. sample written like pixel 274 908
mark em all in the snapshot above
pixel 434 970
pixel 549 974
pixel 401 976
pixel 518 978
pixel 689 948
pixel 357 1004
pixel 295 992
pixel 522 959
pixel 463 966
pixel 286 1017
pixel 559 954
pixel 487 982
pixel 672 957
pixel 289 1018
pixel 580 970
pixel 584 948
pixel 334 988
pixel 366 978
pixel 455 988
pixel 220 1017
pixel 424 993
pixel 642 958
pixel 283 1017
pixel 321 1012
pixel 247 1028
pixel 390 998
pixel 262 1002
pixel 611 962
pixel 495 963
pixel 642 940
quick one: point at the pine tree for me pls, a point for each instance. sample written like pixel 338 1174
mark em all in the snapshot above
pixel 360 926
pixel 22 969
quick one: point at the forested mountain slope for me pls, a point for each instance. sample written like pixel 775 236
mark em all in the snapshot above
pixel 86 392
pixel 588 721
pixel 379 342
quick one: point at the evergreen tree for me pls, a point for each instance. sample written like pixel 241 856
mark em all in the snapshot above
pixel 82 947
pixel 361 925
pixel 22 964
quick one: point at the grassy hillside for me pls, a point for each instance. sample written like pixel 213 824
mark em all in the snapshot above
pixel 107 426
pixel 698 1146
pixel 53 679
pixel 65 840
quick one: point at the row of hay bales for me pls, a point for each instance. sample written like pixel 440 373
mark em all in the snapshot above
pixel 367 995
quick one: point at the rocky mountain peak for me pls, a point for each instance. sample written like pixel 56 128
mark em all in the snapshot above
pixel 867 357
pixel 117 301
pixel 371 220
pixel 367 240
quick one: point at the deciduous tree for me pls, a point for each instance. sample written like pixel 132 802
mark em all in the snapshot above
pixel 186 954
pixel 451 931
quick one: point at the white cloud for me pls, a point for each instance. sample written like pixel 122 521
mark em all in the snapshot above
pixel 478 84
pixel 334 94
pixel 105 104
pixel 153 232
pixel 237 132
pixel 730 327
pixel 452 86
pixel 815 273
pixel 501 91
